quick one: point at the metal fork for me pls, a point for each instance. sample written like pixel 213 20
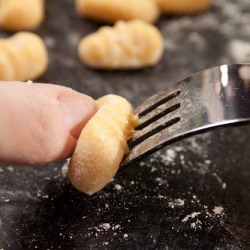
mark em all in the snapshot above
pixel 214 97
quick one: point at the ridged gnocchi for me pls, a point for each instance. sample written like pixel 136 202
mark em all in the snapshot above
pixel 102 144
pixel 182 7
pixel 127 45
pixel 22 57
pixel 17 15
pixel 112 10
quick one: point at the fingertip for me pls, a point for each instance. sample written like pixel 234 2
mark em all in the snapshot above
pixel 76 109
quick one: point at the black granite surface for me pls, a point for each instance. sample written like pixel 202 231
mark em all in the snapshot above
pixel 194 194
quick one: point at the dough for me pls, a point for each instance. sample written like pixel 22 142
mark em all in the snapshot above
pixel 17 15
pixel 102 144
pixel 128 45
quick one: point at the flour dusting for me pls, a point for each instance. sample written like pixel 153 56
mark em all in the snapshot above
pixel 190 216
pixel 105 226
pixel 218 210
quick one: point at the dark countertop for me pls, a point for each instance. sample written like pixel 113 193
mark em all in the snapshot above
pixel 194 194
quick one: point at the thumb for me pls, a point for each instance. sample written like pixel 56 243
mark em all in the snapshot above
pixel 40 122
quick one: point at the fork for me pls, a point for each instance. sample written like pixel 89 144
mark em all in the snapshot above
pixel 212 98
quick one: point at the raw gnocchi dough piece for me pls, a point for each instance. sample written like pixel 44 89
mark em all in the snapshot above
pixel 22 57
pixel 127 45
pixel 17 15
pixel 102 144
pixel 112 10
pixel 182 7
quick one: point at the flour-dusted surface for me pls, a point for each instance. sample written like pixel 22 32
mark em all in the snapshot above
pixel 193 194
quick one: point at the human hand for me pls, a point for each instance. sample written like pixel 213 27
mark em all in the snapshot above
pixel 40 123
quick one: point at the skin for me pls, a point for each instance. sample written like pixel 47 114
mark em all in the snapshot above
pixel 40 123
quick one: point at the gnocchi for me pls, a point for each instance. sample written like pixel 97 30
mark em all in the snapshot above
pixel 16 15
pixel 182 7
pixel 22 57
pixel 112 10
pixel 102 144
pixel 127 45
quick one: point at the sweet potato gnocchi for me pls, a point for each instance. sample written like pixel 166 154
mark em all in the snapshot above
pixel 182 7
pixel 112 10
pixel 102 144
pixel 127 45
pixel 17 15
pixel 22 57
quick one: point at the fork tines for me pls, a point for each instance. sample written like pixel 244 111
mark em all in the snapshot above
pixel 157 114
pixel 212 98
